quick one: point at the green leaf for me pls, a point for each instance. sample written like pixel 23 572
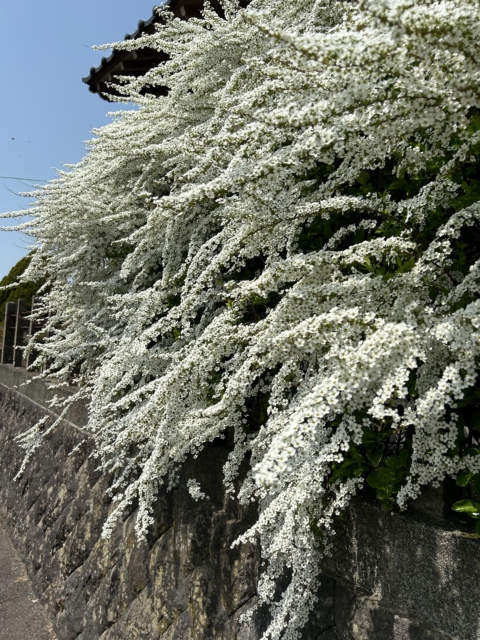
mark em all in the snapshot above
pixel 466 506
pixel 474 124
pixel 386 475
pixel 387 505
pixel 464 478
pixel 376 483
pixel 466 200
pixel 460 427
pixel 476 421
pixel 475 515
pixel 399 184
pixel 363 177
pixel 359 472
pixel 477 528
pixel 359 236
pixel 404 458
pixel 403 267
pixel 368 437
pixel 476 482
pixel 368 264
pixel 355 454
pixel 409 264
pixel 374 455
pixel 393 463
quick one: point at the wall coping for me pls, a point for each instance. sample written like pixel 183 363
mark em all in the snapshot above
pixel 39 390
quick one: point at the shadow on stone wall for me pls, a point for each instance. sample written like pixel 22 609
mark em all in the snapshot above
pixel 404 576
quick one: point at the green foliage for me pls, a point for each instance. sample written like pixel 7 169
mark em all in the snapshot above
pixel 24 290
pixel 384 456
pixel 383 459
pixel 470 506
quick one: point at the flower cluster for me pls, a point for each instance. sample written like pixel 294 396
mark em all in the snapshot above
pixel 282 249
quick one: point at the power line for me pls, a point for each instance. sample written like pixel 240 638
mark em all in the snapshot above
pixel 29 179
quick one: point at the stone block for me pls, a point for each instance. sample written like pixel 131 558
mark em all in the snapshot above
pixel 415 563
pixel 138 621
pixel 168 586
pixel 250 621
pixel 181 629
pixel 322 617
pixel 236 569
pixel 369 618
pixel 209 618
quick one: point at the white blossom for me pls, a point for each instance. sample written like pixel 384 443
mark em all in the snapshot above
pixel 186 211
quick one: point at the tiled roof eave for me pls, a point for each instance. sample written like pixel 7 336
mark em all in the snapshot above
pixel 142 25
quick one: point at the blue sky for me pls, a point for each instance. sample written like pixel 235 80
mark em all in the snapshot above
pixel 46 111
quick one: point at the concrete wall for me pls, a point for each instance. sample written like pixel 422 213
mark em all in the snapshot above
pixel 407 576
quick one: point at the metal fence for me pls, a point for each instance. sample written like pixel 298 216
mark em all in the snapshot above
pixel 17 330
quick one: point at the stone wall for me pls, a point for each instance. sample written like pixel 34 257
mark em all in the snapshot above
pixel 408 576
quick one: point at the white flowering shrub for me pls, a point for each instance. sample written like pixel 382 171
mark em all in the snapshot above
pixel 284 249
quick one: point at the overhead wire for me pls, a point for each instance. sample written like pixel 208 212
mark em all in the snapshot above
pixel 29 179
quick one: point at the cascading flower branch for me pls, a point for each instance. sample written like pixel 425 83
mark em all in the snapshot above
pixel 284 249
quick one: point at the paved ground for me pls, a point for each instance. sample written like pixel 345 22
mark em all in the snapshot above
pixel 22 617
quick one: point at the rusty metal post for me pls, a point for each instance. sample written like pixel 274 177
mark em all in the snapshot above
pixel 21 328
pixel 9 332
pixel 34 327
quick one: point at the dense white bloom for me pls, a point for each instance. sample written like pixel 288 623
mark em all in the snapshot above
pixel 218 261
